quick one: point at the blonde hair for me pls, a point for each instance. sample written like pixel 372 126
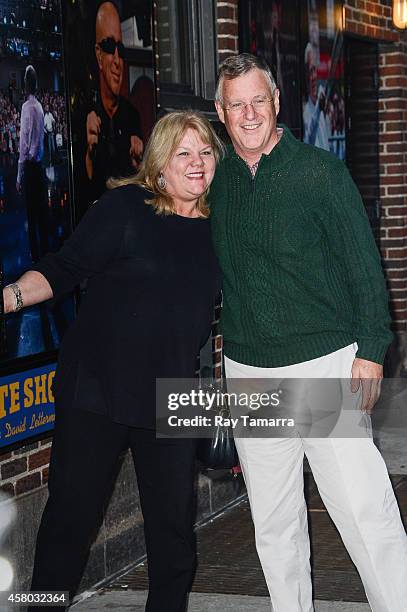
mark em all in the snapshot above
pixel 165 138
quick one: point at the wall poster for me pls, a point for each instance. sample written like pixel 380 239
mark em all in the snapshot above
pixel 35 202
pixel 274 36
pixel 323 107
pixel 112 91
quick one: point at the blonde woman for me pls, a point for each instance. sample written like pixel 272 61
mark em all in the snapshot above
pixel 145 247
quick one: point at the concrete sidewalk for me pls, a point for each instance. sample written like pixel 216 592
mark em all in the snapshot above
pixel 133 601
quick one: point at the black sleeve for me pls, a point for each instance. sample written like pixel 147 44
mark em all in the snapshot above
pixel 96 241
pixel 134 123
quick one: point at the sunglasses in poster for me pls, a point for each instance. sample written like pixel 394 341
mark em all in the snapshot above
pixel 109 45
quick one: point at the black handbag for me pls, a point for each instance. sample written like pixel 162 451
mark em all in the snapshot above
pixel 218 450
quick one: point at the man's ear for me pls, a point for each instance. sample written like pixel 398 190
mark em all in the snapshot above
pixel 276 100
pixel 220 111
pixel 98 56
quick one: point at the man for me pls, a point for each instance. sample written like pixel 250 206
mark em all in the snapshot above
pixel 316 130
pixel 304 297
pixel 30 172
pixel 49 127
pixel 114 147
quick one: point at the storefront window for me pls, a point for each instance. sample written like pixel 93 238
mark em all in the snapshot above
pixel 186 43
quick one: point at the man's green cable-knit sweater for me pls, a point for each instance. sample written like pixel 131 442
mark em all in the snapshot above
pixel 302 274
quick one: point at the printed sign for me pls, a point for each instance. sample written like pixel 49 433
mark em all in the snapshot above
pixel 26 404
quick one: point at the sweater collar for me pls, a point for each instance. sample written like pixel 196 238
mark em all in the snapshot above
pixel 282 153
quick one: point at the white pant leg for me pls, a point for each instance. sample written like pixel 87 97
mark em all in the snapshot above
pixel 273 472
pixel 354 485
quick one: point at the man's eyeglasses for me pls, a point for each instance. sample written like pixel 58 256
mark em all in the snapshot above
pixel 257 103
pixel 109 45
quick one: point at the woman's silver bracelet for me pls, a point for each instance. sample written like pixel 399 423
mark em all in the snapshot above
pixel 19 304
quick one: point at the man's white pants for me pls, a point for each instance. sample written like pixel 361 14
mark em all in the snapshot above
pixel 354 485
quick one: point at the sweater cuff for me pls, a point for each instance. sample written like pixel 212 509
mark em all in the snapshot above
pixel 52 273
pixel 372 350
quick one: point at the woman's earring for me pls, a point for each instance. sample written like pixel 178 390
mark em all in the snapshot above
pixel 162 183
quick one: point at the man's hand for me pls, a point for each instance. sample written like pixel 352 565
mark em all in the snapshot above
pixel 136 150
pixel 93 123
pixel 368 374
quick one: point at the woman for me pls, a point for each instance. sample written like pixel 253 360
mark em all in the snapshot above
pixel 153 281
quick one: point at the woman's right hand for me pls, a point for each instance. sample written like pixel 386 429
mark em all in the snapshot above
pixel 34 289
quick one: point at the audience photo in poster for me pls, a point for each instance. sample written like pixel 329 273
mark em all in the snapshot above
pixel 323 104
pixel 112 85
pixel 35 212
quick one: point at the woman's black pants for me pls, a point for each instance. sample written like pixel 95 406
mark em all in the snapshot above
pixel 83 466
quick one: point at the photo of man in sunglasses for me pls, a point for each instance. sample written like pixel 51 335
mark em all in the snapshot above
pixel 114 146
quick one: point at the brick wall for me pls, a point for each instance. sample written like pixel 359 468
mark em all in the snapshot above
pixel 227 25
pixel 25 468
pixel 227 21
pixel 374 20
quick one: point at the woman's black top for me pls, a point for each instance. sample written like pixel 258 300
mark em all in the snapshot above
pixel 153 284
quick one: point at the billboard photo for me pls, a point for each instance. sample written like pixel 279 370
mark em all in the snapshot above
pixel 35 203
pixel 112 92
pixel 323 108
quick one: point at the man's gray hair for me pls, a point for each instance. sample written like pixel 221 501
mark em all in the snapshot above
pixel 30 80
pixel 237 65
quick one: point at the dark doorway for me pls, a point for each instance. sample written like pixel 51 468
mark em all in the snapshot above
pixel 362 130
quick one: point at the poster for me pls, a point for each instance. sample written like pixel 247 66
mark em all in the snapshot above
pixel 112 92
pixel 35 202
pixel 26 404
pixel 275 38
pixel 323 107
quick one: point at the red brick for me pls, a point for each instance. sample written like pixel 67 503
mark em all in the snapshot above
pixel 38 459
pixel 13 468
pixel 397 253
pixel 226 12
pixel 393 137
pixel 394 190
pixel 218 372
pixel 227 44
pixel 392 159
pixel 395 169
pixel 44 475
pixel 33 481
pixel 397 284
pixel 5 456
pixel 397 211
pixel 391 115
pixel 395 58
pixel 393 180
pixel 396 148
pixel 231 29
pixel 399 231
pixel 400 81
pixel 396 274
pixel 395 126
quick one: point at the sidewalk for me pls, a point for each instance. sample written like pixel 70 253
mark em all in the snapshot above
pixel 134 601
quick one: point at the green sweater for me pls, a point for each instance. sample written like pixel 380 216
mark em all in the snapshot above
pixel 302 275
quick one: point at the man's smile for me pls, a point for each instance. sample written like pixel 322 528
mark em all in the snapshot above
pixel 250 126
